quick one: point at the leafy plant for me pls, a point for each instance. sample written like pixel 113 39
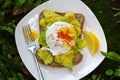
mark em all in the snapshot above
pixel 112 55
pixel 117 72
pixel 109 72
pixel 2 16
pixel 11 66
pixel 117 14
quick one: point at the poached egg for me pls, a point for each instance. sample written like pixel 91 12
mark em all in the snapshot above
pixel 60 37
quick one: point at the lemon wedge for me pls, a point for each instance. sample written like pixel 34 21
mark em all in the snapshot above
pixel 92 42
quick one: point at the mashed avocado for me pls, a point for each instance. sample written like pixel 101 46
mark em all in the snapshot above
pixel 46 56
pixel 70 17
pixel 50 17
pixel 67 58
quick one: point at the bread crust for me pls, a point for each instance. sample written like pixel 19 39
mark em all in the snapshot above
pixel 80 17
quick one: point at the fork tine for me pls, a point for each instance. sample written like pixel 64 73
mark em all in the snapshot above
pixel 30 33
pixel 31 39
pixel 27 34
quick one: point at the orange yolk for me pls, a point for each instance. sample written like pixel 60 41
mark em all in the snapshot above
pixel 64 36
pixel 67 34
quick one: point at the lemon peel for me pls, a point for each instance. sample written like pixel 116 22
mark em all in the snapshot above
pixel 92 40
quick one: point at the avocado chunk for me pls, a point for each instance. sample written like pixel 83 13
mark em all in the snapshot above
pixel 80 44
pixel 65 59
pixel 77 26
pixel 43 23
pixel 59 58
pixel 51 17
pixel 46 56
pixel 42 38
pixel 70 17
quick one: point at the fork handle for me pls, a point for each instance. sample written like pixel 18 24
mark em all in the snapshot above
pixel 38 68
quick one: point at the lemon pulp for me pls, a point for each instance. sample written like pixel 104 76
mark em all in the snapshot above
pixel 92 42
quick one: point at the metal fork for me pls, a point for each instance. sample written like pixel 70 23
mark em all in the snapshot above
pixel 31 46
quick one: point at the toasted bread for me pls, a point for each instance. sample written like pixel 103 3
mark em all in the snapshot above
pixel 78 57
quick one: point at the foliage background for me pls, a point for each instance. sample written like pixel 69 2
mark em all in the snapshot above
pixel 12 11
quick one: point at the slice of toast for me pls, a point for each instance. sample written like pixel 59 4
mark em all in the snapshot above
pixel 78 57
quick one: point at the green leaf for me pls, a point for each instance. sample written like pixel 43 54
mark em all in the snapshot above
pixel 2 41
pixel 38 2
pixel 14 78
pixel 3 68
pixel 99 77
pixel 21 2
pixel 111 55
pixel 8 48
pixel 20 76
pixel 1 2
pixel 117 14
pixel 28 3
pixel 119 67
pixel 8 29
pixel 7 4
pixel 2 16
pixel 1 76
pixel 94 77
pixel 113 8
pixel 109 72
pixel 117 72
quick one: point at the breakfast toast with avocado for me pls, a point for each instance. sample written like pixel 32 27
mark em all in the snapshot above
pixel 69 58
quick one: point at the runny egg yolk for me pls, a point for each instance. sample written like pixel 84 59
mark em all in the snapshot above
pixel 34 34
pixel 67 34
pixel 60 37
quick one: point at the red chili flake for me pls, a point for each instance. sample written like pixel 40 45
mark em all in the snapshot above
pixel 55 24
pixel 56 28
pixel 56 44
pixel 51 37
pixel 61 24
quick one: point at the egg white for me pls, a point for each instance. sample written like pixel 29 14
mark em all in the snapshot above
pixel 54 43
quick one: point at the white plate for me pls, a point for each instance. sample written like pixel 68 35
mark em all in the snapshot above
pixel 88 63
